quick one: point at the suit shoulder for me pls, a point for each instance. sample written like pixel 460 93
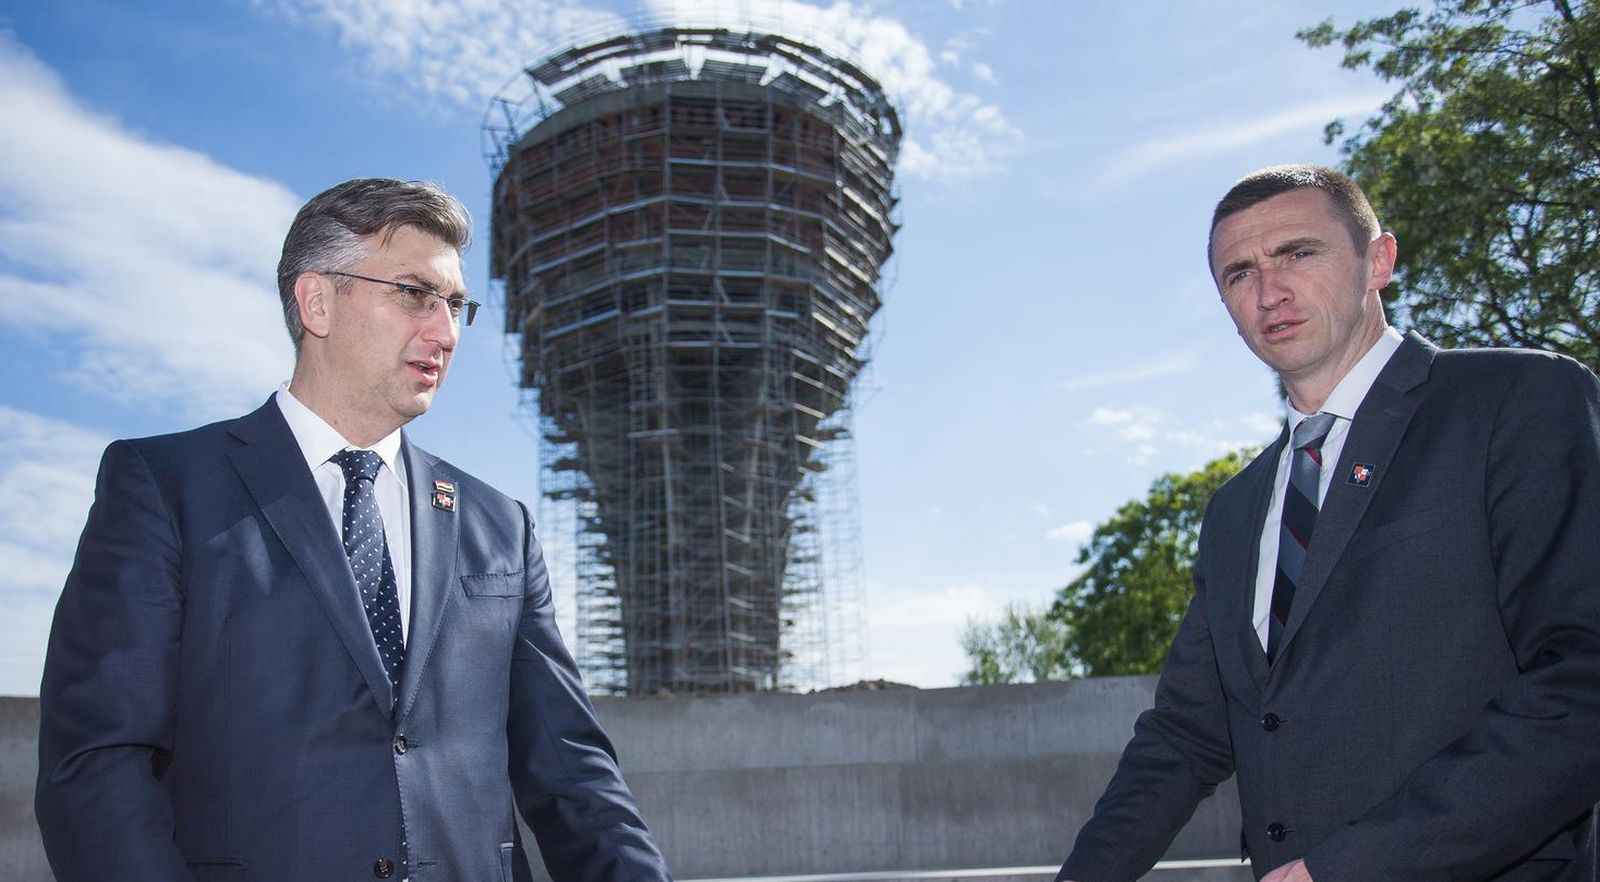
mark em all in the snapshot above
pixel 183 448
pixel 1477 365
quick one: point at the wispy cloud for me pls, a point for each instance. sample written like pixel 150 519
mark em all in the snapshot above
pixel 1134 428
pixel 1143 433
pixel 463 51
pixel 47 477
pixel 915 635
pixel 154 258
pixel 1227 134
pixel 1171 365
pixel 459 51
pixel 1073 532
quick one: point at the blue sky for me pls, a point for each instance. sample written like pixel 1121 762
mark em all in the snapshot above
pixel 1050 342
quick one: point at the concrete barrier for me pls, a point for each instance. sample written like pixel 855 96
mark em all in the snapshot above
pixel 899 780
pixel 986 783
pixel 21 854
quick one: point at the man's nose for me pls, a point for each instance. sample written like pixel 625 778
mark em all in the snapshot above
pixel 441 328
pixel 1272 289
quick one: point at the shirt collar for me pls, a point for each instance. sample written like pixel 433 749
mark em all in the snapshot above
pixel 1347 396
pixel 318 441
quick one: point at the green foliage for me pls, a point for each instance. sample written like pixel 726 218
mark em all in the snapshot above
pixel 1025 646
pixel 1120 614
pixel 1486 165
pixel 1122 611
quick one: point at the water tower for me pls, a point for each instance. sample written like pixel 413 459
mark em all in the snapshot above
pixel 689 223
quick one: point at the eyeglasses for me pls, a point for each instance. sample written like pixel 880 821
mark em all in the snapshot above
pixel 419 302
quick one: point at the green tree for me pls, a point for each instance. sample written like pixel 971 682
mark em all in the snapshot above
pixel 1120 614
pixel 1025 646
pixel 1122 611
pixel 1486 164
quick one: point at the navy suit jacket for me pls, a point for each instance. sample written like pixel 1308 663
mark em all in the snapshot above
pixel 1434 713
pixel 213 704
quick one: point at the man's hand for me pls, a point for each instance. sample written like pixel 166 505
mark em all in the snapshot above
pixel 1294 871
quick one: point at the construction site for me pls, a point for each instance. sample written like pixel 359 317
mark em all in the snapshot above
pixel 690 226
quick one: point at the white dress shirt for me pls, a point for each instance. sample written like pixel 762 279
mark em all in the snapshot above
pixel 1342 403
pixel 318 441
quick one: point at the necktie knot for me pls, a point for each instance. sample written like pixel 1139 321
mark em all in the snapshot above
pixel 357 464
pixel 1313 430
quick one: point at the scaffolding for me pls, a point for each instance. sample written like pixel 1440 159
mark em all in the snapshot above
pixel 689 224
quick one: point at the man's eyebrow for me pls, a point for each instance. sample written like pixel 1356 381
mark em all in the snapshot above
pixel 1302 243
pixel 1234 266
pixel 422 282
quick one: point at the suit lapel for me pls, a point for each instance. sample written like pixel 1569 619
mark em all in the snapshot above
pixel 274 471
pixel 1243 616
pixel 1375 432
pixel 435 537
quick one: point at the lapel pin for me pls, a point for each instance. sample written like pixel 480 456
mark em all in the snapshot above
pixel 444 495
pixel 1361 474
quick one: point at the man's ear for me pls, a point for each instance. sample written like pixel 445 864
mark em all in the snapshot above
pixel 1381 253
pixel 314 293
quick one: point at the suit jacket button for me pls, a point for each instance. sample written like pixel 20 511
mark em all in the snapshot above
pixel 1277 832
pixel 401 745
pixel 383 868
pixel 1270 722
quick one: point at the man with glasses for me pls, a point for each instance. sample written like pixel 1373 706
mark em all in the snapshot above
pixel 295 646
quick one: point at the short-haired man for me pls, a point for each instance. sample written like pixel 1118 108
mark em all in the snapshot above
pixel 295 646
pixel 1395 636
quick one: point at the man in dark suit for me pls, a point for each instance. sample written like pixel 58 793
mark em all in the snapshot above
pixel 1395 635
pixel 296 647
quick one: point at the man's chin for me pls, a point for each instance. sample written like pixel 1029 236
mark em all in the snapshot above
pixel 415 404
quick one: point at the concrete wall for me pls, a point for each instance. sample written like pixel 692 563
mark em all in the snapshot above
pixel 21 855
pixel 892 780
pixel 844 782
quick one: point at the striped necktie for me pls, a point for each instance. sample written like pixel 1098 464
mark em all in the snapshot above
pixel 1299 519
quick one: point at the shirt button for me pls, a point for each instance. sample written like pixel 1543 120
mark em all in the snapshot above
pixel 383 868
pixel 1270 722
pixel 1277 832
pixel 401 745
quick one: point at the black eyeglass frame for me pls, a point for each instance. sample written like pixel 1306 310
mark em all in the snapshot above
pixel 457 305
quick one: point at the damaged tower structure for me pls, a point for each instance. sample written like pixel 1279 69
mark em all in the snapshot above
pixel 689 224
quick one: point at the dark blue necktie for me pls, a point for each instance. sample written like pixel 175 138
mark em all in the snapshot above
pixel 1299 519
pixel 369 557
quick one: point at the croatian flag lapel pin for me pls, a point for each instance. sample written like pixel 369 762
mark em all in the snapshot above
pixel 444 495
pixel 1361 473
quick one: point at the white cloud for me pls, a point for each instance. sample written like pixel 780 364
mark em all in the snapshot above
pixel 24 628
pixel 464 51
pixel 47 479
pixel 1074 532
pixel 1228 135
pixel 1137 423
pixel 1143 433
pixel 916 635
pixel 460 51
pixel 984 73
pixel 155 258
pixel 1261 425
pixel 1173 365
